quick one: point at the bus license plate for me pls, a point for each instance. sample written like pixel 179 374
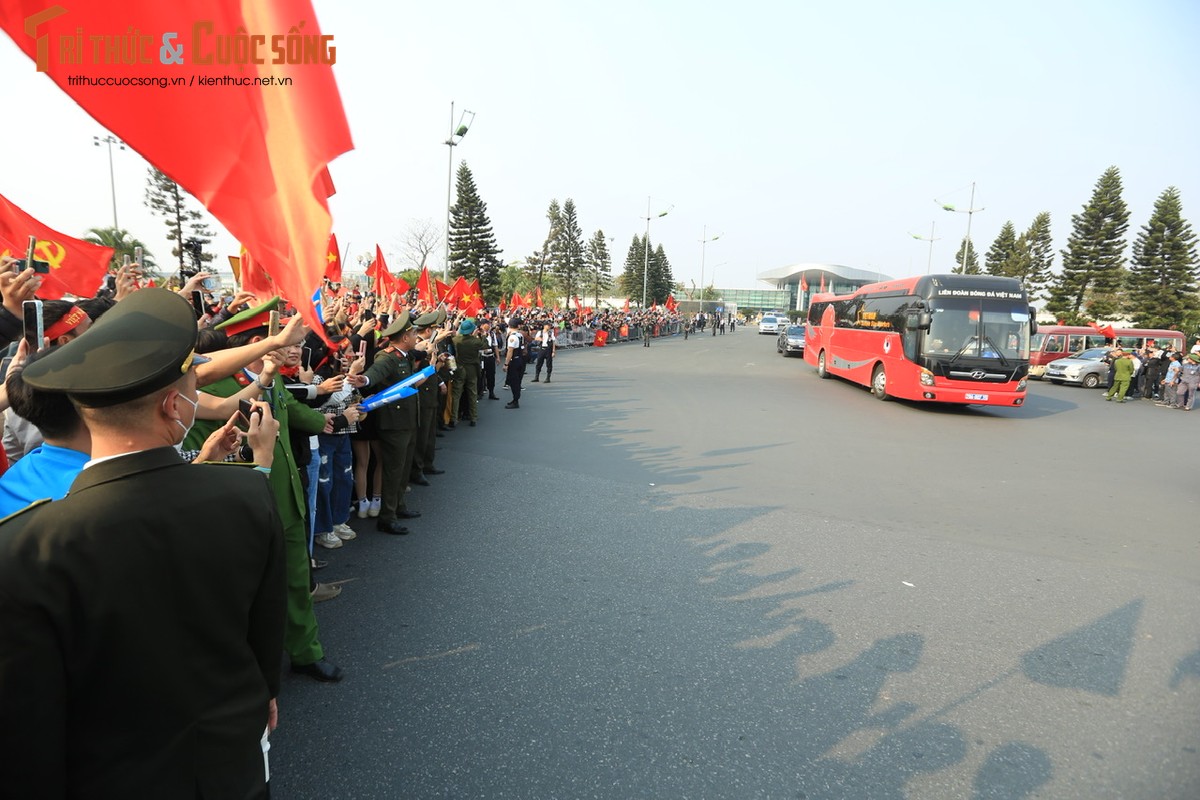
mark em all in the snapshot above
pixel 977 397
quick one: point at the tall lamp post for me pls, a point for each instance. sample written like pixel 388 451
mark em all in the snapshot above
pixel 646 266
pixel 930 238
pixel 970 211
pixel 456 136
pixel 704 240
pixel 110 140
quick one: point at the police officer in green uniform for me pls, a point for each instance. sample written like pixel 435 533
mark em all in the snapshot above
pixel 430 392
pixel 468 348
pixel 301 640
pixel 139 636
pixel 397 421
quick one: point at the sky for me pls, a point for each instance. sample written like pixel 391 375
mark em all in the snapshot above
pixel 794 131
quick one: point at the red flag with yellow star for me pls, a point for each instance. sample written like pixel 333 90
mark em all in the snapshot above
pixel 76 267
pixel 333 261
pixel 471 302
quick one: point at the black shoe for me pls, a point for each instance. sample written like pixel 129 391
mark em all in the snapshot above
pixel 472 423
pixel 317 563
pixel 451 426
pixel 433 471
pixel 547 379
pixel 320 671
pixel 536 379
pixel 406 514
pixel 391 526
pixel 492 397
pixel 419 481
pixel 513 404
pixel 444 427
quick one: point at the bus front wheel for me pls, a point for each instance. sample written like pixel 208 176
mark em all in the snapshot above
pixel 879 383
pixel 822 370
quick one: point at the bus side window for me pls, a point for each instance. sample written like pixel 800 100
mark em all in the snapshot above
pixel 1075 342
pixel 1054 344
pixel 1096 341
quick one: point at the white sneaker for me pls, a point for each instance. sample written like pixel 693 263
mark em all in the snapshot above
pixel 376 504
pixel 344 532
pixel 329 540
pixel 364 506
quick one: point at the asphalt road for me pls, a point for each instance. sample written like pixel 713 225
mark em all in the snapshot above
pixel 699 571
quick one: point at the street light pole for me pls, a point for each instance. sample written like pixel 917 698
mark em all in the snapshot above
pixel 456 136
pixel 646 265
pixel 970 211
pixel 704 240
pixel 931 240
pixel 110 140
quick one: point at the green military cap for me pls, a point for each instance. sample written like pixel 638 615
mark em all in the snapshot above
pixel 439 316
pixel 426 320
pixel 399 325
pixel 146 342
pixel 251 318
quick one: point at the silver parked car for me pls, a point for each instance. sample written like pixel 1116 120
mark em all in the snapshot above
pixel 1086 368
pixel 791 341
pixel 772 324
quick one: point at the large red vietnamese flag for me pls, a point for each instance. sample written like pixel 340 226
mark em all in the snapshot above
pixel 472 300
pixel 425 293
pixel 456 290
pixel 76 267
pixel 378 272
pixel 254 155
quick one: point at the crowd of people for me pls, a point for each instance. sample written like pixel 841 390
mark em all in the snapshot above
pixel 141 412
pixel 1167 376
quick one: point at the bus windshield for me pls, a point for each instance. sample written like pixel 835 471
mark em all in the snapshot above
pixel 978 328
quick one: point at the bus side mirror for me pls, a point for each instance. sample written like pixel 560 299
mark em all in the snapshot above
pixel 1032 320
pixel 924 320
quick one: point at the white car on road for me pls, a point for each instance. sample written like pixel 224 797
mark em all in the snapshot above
pixel 769 324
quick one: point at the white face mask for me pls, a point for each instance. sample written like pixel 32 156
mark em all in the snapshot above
pixel 186 429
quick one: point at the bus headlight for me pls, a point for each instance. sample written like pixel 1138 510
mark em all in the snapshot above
pixel 1021 384
pixel 926 377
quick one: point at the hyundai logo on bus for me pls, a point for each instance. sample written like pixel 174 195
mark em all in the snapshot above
pixel 978 374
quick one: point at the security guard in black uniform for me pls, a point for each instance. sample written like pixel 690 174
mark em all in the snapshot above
pixel 140 637
pixel 398 421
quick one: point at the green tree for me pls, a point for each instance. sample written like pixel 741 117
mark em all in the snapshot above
pixel 630 281
pixel 1094 261
pixel 1162 281
pixel 123 244
pixel 1041 256
pixel 569 266
pixel 967 258
pixel 554 215
pixel 598 265
pixel 661 278
pixel 473 250
pixel 166 199
pixel 1001 250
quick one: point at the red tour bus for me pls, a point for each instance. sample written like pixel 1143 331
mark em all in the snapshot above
pixel 1052 342
pixel 943 338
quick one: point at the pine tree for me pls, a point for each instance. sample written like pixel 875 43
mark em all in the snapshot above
pixel 968 251
pixel 550 253
pixel 568 249
pixel 598 264
pixel 630 282
pixel 473 250
pixel 1162 282
pixel 1094 261
pixel 1001 250
pixel 661 279
pixel 1041 256
pixel 166 199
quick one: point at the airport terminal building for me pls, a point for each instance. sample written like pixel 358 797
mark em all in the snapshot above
pixel 797 283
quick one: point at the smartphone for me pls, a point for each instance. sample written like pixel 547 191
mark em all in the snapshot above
pixel 125 260
pixel 306 357
pixel 198 303
pixel 137 256
pixel 41 267
pixel 35 331
pixel 4 366
pixel 273 330
pixel 245 409
pixel 362 349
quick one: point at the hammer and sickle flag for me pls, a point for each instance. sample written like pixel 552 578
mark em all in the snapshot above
pixel 76 267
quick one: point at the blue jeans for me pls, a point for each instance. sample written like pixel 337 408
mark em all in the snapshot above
pixel 311 495
pixel 335 481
